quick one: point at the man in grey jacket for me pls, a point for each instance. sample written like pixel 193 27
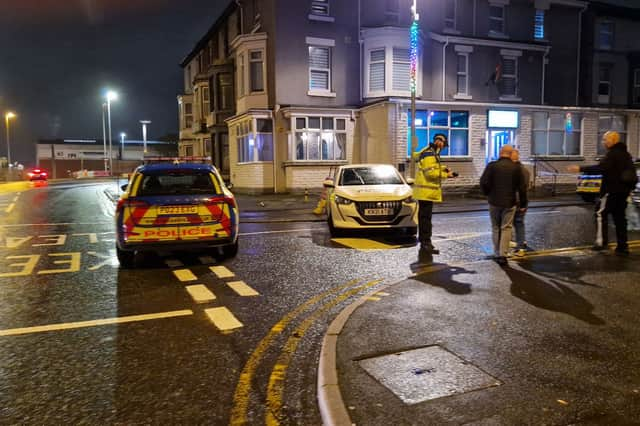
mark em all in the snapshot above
pixel 500 182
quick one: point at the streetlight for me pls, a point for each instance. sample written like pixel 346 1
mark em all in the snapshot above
pixel 9 115
pixel 111 96
pixel 144 134
pixel 104 135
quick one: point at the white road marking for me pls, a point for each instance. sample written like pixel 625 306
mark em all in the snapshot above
pixel 206 260
pixel 16 198
pixel 173 263
pixel 10 208
pixel 222 272
pixel 373 298
pixel 242 288
pixel 93 323
pixel 184 275
pixel 223 318
pixel 200 294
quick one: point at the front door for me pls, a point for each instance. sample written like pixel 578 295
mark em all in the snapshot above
pixel 497 139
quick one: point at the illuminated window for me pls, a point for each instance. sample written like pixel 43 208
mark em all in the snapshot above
pixel 538 31
pixel 319 139
pixel 319 68
pixel 553 135
pixel 453 124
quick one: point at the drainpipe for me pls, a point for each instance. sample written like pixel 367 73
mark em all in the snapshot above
pixel 544 72
pixel 444 65
pixel 584 8
pixel 273 146
pixel 360 43
pixel 239 4
pixel 475 11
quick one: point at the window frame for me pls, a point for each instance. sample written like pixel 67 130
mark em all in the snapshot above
pixel 450 23
pixel 465 74
pixel 187 116
pixel 384 64
pixel 205 101
pixel 502 20
pixel 601 97
pixel 428 127
pixel 514 76
pixel 400 62
pixel 539 30
pixel 306 129
pixel 611 33
pixel 220 103
pixel 549 130
pixel 248 129
pixel 312 69
pixel 254 61
pixel 317 5
pixel 241 78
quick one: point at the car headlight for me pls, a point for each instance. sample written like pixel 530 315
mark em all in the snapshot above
pixel 409 200
pixel 342 200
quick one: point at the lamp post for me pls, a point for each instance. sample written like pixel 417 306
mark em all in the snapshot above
pixel 144 134
pixel 104 136
pixel 122 136
pixel 111 96
pixel 413 56
pixel 8 116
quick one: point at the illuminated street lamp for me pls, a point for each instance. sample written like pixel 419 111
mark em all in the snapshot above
pixel 8 116
pixel 413 56
pixel 122 136
pixel 104 135
pixel 111 96
pixel 144 134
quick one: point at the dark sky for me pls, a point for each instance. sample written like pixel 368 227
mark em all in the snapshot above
pixel 57 56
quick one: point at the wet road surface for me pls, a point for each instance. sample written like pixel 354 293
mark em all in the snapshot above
pixel 187 338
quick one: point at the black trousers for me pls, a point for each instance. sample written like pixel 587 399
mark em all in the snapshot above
pixel 425 211
pixel 616 205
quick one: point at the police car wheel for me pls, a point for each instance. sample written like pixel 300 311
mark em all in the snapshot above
pixel 231 250
pixel 126 258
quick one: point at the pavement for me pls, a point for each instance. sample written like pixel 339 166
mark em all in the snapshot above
pixel 551 339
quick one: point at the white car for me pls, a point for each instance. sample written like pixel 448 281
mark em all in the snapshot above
pixel 370 196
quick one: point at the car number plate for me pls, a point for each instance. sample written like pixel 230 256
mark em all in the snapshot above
pixel 378 212
pixel 165 210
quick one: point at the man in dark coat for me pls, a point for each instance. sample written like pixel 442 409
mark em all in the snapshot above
pixel 501 181
pixel 618 180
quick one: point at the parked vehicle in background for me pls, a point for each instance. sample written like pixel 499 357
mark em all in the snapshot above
pixel 588 186
pixel 168 206
pixel 37 174
pixel 370 196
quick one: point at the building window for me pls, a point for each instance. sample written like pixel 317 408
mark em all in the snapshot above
pixel 496 19
pixel 188 151
pixel 319 138
pixel 605 35
pixel 608 122
pixel 538 29
pixel 556 134
pixel 188 115
pixel 463 74
pixel 207 147
pixel 453 124
pixel 392 12
pixel 604 83
pixel 319 68
pixel 450 14
pixel 241 91
pixel 401 70
pixel 320 7
pixel 509 78
pixel 255 145
pixel 256 67
pixel 636 86
pixel 205 101
pixel 377 70
pixel 225 91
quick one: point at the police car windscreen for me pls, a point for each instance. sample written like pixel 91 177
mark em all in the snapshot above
pixel 176 183
pixel 370 176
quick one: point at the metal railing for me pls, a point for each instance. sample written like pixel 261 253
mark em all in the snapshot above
pixel 542 168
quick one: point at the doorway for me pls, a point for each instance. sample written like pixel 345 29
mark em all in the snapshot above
pixel 497 139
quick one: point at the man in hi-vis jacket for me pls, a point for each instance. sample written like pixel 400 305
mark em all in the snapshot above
pixel 427 188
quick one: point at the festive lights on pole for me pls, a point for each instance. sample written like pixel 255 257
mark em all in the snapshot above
pixel 413 56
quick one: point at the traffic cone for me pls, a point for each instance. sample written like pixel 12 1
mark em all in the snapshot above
pixel 320 207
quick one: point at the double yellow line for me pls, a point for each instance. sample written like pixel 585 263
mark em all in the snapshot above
pixel 277 377
pixel 632 244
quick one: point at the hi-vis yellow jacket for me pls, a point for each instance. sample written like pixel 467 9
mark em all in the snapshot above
pixel 429 175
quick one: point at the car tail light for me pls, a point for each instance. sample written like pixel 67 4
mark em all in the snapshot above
pixel 43 173
pixel 30 174
pixel 36 170
pixel 124 202
pixel 223 199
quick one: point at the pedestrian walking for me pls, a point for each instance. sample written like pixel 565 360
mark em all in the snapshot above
pixel 427 188
pixel 503 183
pixel 520 244
pixel 618 180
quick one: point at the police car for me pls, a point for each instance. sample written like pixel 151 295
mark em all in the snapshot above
pixel 588 186
pixel 370 196
pixel 175 206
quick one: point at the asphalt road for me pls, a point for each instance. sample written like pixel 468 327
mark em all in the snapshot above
pixel 191 338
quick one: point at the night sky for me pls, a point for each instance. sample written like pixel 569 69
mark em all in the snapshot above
pixel 57 56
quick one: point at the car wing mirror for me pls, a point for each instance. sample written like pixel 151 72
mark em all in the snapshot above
pixel 411 181
pixel 229 185
pixel 124 187
pixel 328 183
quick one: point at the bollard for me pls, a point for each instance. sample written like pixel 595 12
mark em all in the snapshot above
pixel 306 195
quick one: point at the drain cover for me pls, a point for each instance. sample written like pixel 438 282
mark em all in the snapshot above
pixel 426 373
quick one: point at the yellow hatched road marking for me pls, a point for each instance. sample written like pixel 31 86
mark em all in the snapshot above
pixel 184 275
pixel 93 323
pixel 222 272
pixel 200 293
pixel 173 263
pixel 10 208
pixel 364 244
pixel 223 318
pixel 242 288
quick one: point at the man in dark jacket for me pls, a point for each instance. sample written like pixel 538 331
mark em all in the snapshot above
pixel 618 180
pixel 518 222
pixel 500 182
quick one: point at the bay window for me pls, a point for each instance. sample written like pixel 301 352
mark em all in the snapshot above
pixel 319 138
pixel 254 139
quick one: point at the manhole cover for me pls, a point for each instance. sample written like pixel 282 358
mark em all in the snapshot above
pixel 427 373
